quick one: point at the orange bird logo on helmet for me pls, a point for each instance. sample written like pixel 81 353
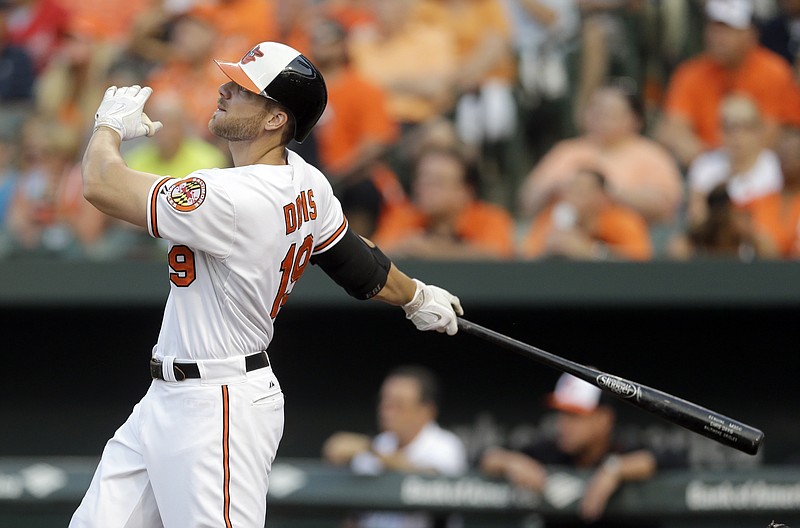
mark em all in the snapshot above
pixel 252 54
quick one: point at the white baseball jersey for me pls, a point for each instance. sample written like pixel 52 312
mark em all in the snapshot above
pixel 197 452
pixel 239 240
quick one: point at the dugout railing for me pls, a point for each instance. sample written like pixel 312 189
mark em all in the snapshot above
pixel 42 492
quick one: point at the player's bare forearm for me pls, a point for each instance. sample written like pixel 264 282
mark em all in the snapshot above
pixel 109 184
pixel 428 307
pixel 399 288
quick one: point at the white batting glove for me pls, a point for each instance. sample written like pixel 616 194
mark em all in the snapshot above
pixel 433 308
pixel 122 109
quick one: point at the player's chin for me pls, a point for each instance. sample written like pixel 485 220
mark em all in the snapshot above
pixel 214 125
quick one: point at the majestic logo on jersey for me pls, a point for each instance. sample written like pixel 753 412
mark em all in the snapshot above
pixel 187 195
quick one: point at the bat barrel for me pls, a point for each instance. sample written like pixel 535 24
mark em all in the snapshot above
pixel 689 415
pixel 694 417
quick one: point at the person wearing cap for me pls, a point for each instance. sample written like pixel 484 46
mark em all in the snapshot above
pixel 585 440
pixel 733 61
pixel 198 448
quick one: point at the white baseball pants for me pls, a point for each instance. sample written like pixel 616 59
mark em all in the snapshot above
pixel 193 453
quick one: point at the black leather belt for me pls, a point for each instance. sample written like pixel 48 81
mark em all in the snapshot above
pixel 191 370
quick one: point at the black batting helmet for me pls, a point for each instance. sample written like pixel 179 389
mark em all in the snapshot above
pixel 283 74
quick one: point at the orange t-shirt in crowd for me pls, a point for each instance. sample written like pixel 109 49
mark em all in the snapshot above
pixel 105 20
pixel 779 218
pixel 297 37
pixel 348 13
pixel 241 24
pixel 470 21
pixel 623 230
pixel 405 57
pixel 698 86
pixel 482 224
pixel 356 111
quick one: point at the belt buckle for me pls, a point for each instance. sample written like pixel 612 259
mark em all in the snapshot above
pixel 155 369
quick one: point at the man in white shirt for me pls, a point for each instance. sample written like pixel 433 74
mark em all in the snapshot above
pixel 744 163
pixel 410 440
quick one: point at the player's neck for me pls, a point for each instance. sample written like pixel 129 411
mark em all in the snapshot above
pixel 253 152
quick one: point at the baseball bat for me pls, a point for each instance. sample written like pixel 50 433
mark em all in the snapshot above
pixel 691 416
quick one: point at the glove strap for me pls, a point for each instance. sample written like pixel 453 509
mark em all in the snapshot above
pixel 412 306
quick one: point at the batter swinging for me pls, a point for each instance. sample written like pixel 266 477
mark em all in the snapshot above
pixel 197 449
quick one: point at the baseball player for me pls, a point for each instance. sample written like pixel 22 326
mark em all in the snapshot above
pixel 198 447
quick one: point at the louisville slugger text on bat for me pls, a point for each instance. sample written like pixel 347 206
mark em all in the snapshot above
pixel 691 416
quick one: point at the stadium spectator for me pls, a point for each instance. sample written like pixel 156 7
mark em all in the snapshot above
pixel 178 150
pixel 445 219
pixel 641 173
pixel 9 176
pixel 39 27
pixel 17 73
pixel 586 224
pixel 744 163
pixel 544 33
pixel 189 69
pixel 149 35
pixel 354 133
pixel 609 48
pixel 349 13
pixel 585 439
pixel 238 23
pixel 725 231
pixel 732 61
pixel 106 21
pixel 410 441
pixel 295 20
pixel 74 79
pixel 17 79
pixel 48 214
pixel 777 214
pixel 411 58
pixel 485 112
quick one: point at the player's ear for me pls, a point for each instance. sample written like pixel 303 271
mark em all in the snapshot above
pixel 276 119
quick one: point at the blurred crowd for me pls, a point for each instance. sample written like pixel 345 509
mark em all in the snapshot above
pixel 455 129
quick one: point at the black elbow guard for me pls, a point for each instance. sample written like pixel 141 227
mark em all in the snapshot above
pixel 359 269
